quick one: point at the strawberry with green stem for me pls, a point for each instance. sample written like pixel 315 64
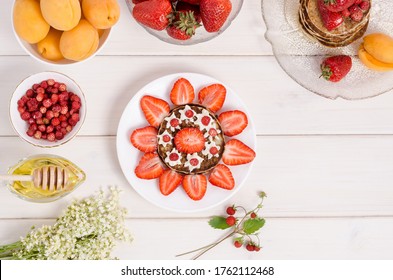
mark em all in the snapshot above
pixel 245 229
pixel 335 68
pixel 183 24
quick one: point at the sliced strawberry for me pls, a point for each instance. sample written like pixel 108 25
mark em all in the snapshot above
pixel 182 92
pixel 236 153
pixel 149 167
pixel 213 97
pixel 169 181
pixel 189 140
pixel 155 109
pixel 153 13
pixel 221 176
pixel 233 122
pixel 195 186
pixel 145 139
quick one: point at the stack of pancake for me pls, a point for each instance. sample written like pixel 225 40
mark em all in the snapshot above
pixel 345 34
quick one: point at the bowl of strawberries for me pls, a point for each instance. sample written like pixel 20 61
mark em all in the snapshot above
pixel 185 22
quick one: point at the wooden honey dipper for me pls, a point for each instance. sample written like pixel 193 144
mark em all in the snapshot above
pixel 48 178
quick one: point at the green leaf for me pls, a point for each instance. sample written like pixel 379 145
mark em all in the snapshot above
pixel 252 225
pixel 218 222
pixel 240 239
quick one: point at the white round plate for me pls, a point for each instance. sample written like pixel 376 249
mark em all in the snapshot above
pixel 129 156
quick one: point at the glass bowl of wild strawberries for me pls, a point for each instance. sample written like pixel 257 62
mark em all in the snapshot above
pixel 185 22
pixel 47 109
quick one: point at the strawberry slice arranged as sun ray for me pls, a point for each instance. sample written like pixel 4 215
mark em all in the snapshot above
pixel 191 140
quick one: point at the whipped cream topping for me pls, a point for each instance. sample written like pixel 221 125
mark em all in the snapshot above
pixel 173 162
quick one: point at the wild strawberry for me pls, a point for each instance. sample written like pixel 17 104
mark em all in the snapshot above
pixel 54 98
pixel 49 114
pixel 39 121
pixel 364 5
pixel 182 92
pixel 64 110
pixel 33 127
pixel 231 210
pixel 55 121
pixel 25 116
pixel 49 129
pixel 237 244
pixel 29 93
pixel 44 84
pixel 206 120
pixel 335 68
pixel 189 140
pixel 37 115
pixel 236 152
pixel 47 103
pixel 51 137
pixel 214 13
pixel 75 105
pixel 50 82
pixel 257 248
pixel 35 86
pixel 42 128
pixel 153 13
pixel 253 215
pixel 38 134
pixel 356 13
pixel 30 132
pixel 43 110
pixel 21 109
pixel 45 121
pixel 250 247
pixel 59 135
pixel 212 97
pixel 69 128
pixel 233 122
pixel 63 118
pixel 63 124
pixel 62 87
pixel 56 108
pixel 40 96
pixel 231 221
pixel 56 85
pixel 75 117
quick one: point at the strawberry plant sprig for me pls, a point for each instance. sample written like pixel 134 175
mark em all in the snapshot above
pixel 244 229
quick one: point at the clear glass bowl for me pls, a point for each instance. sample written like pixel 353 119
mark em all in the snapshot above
pixel 201 35
pixel 27 191
pixel 301 58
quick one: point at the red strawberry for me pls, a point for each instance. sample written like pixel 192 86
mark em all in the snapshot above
pixel 356 13
pixel 149 167
pixel 338 5
pixel 194 2
pixel 189 140
pixel 236 153
pixel 186 7
pixel 145 139
pixel 169 181
pixel 182 92
pixel 233 122
pixel 331 20
pixel 221 176
pixel 214 13
pixel 155 109
pixel 138 1
pixel 153 13
pixel 335 68
pixel 177 33
pixel 195 186
pixel 213 97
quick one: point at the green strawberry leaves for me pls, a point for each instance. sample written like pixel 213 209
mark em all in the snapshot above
pixel 251 226
pixel 218 222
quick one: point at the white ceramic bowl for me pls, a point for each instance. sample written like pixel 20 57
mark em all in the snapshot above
pixel 201 35
pixel 31 49
pixel 21 126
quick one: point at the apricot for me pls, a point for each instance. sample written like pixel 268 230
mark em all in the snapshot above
pixel 61 14
pixel 80 42
pixel 102 14
pixel 49 47
pixel 372 62
pixel 379 46
pixel 28 21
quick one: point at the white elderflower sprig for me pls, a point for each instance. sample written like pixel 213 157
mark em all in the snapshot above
pixel 88 230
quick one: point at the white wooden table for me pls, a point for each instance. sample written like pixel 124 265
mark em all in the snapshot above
pixel 327 166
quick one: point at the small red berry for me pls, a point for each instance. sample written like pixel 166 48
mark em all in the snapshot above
pixel 237 244
pixel 257 248
pixel 253 215
pixel 231 210
pixel 50 82
pixel 213 132
pixel 364 5
pixel 25 116
pixel 250 247
pixel 189 114
pixel 205 120
pixel 194 162
pixel 62 87
pixel 174 122
pixel 166 138
pixel 231 220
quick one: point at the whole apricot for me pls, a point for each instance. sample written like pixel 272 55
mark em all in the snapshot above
pixel 102 14
pixel 29 23
pixel 380 46
pixel 80 42
pixel 49 47
pixel 61 14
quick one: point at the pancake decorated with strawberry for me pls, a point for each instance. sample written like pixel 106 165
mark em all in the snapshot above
pixel 335 23
pixel 189 145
